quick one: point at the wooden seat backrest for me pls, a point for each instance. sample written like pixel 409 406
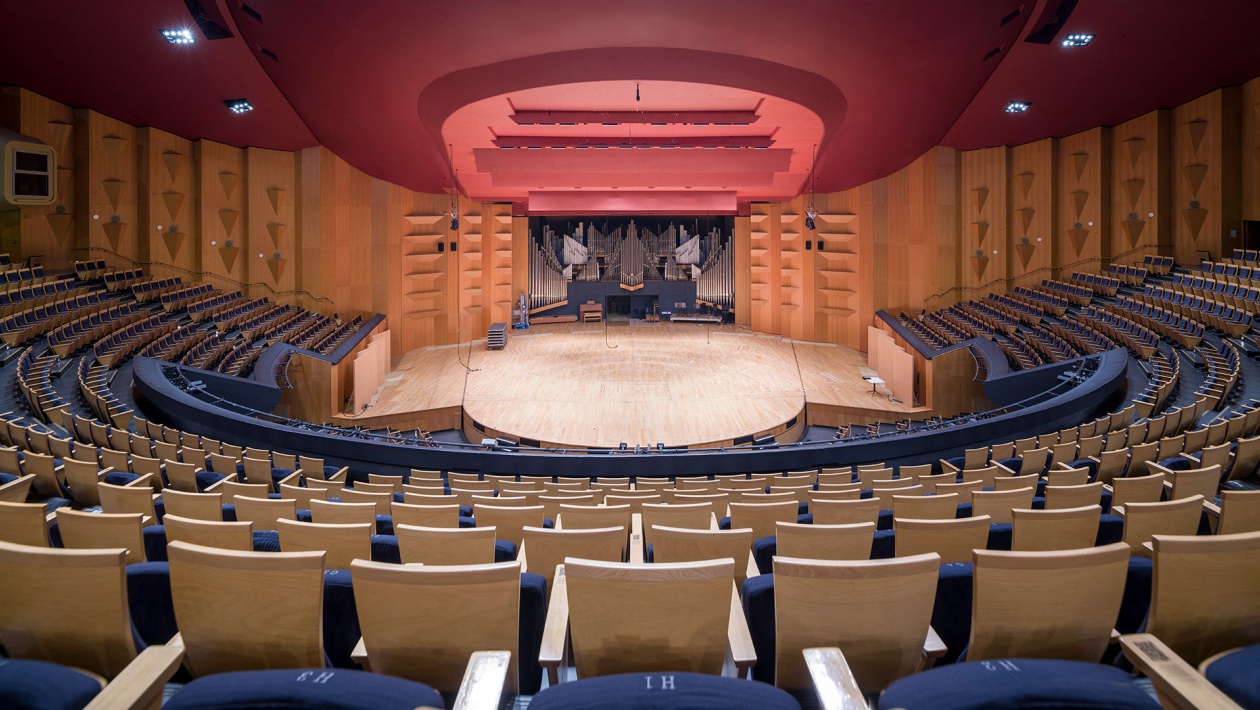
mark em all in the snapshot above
pixel 95 531
pixel 67 607
pixel 207 586
pixel 327 512
pixel 24 523
pixel 1203 593
pixel 343 543
pixel 201 506
pixel 445 546
pixel 877 611
pixel 953 540
pixel 451 613
pixel 844 512
pixel 227 536
pixel 425 516
pixel 646 618
pixel 999 504
pixel 825 542
pixel 1062 529
pixel 544 548
pixel 1030 605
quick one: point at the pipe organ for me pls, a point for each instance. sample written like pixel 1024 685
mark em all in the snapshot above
pixel 631 255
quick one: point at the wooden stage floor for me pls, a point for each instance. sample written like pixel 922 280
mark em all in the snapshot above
pixel 595 385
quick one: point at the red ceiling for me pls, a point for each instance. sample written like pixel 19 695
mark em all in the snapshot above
pixel 386 84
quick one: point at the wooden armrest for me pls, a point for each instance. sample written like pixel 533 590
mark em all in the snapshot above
pixel 1117 510
pixel 339 476
pixel 360 655
pixel 144 481
pixel 102 473
pixel 752 569
pixel 947 467
pixel 520 557
pixel 933 648
pixel 1175 680
pixel 230 477
pixel 141 683
pixel 1214 514
pixel 1002 466
pixel 556 629
pixel 484 680
pixel 713 522
pixel 1095 459
pixel 834 683
pixel 293 479
pixel 1192 457
pixel 636 538
pixel 738 638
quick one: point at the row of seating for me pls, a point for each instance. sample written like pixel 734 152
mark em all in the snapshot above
pixel 1097 283
pixel 1142 342
pixel 94 380
pixel 89 270
pixel 1226 319
pixel 233 317
pixel 172 346
pixel 326 344
pixel 181 298
pixel 1239 296
pixel 1183 331
pixel 1072 293
pixel 1161 265
pixel 256 326
pixel 116 347
pixel 122 279
pixel 20 298
pixel 29 324
pixel 1024 312
pixel 92 326
pixel 1131 275
pixel 155 288
pixel 207 308
pixel 1039 298
pixel 34 380
pixel 1165 374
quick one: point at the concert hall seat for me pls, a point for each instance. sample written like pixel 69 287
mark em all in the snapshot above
pixel 79 530
pixel 1035 640
pixel 544 548
pixel 448 546
pixel 433 643
pixel 953 540
pixel 684 545
pixel 201 506
pixel 1238 512
pixel 84 625
pixel 1062 529
pixel 658 618
pixel 1174 517
pixel 1204 613
pixel 877 611
pixel 24 523
pixel 343 543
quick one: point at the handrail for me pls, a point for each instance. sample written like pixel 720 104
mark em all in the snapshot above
pixel 930 301
pixel 242 284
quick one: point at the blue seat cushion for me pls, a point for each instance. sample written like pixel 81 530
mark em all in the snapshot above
pixel 533 613
pixel 205 479
pixel 7 478
pixel 39 685
pixel 1018 683
pixel 758 603
pixel 326 689
pixel 663 691
pixel 150 601
pixel 1235 674
pixel 120 478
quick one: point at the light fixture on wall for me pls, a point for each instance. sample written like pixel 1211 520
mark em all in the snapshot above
pixel 810 213
pixel 1079 39
pixel 636 92
pixel 1018 106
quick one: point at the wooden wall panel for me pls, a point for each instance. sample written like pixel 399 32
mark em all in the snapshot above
pixel 270 183
pixel 1205 179
pixel 106 184
pixel 47 232
pixel 1249 150
pixel 763 268
pixel 1083 201
pixel 741 242
pixel 222 219
pixel 792 291
pixel 986 220
pixel 835 266
pixel 1141 213
pixel 1033 221
pixel 167 204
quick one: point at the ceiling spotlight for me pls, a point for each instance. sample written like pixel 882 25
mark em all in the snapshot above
pixel 179 36
pixel 1077 40
pixel 239 105
pixel 1017 107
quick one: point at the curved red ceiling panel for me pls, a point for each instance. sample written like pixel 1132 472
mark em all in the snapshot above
pixel 910 74
pixel 109 56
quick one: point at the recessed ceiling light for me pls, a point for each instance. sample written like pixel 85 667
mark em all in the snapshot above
pixel 178 36
pixel 239 105
pixel 1077 40
pixel 1017 106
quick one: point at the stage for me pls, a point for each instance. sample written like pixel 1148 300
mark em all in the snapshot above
pixel 588 385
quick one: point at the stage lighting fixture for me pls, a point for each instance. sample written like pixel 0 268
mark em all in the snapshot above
pixel 454 213
pixel 1077 40
pixel 810 215
pixel 178 36
pixel 239 105
pixel 1017 106
pixel 623 446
